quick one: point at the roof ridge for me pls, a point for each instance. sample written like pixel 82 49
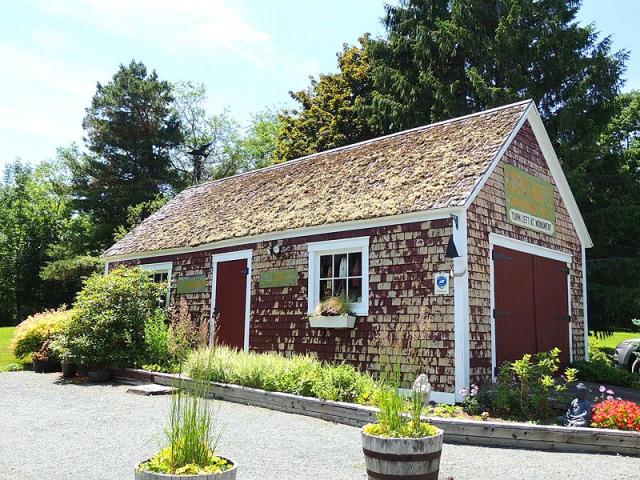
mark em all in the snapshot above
pixel 357 144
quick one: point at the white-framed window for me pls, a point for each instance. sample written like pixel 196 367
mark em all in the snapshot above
pixel 340 268
pixel 160 273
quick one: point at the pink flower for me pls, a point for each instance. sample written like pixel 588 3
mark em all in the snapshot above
pixel 609 392
pixel 602 389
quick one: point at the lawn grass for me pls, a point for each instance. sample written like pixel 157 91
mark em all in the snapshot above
pixel 609 343
pixel 6 357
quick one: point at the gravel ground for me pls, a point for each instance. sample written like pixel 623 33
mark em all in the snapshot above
pixel 53 430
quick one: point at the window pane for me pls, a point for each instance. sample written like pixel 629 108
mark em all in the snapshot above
pixel 355 290
pixel 355 264
pixel 325 289
pixel 325 266
pixel 340 265
pixel 340 287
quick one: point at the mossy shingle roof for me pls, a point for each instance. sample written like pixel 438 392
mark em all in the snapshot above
pixel 430 167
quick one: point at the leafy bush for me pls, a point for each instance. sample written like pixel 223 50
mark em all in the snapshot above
pixel 524 387
pixel 31 334
pixel 156 342
pixel 616 414
pixel 598 372
pixel 108 321
pixel 343 383
pixel 299 374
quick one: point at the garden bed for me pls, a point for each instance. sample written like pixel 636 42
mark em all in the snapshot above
pixel 470 432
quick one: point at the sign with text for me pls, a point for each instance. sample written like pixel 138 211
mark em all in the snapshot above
pixel 529 200
pixel 279 278
pixel 441 283
pixel 192 284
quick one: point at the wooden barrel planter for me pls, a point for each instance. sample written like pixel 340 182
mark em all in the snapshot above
pixel 398 458
pixel 226 475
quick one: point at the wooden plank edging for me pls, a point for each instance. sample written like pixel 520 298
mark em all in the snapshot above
pixel 462 431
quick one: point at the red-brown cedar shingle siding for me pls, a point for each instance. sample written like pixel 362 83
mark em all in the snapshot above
pixel 402 260
pixel 488 214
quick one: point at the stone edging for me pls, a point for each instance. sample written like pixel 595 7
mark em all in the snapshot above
pixel 469 432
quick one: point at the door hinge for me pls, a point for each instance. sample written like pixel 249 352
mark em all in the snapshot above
pixel 501 313
pixel 246 271
pixel 564 270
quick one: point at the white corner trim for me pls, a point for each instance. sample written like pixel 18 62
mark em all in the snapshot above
pixel 225 257
pixel 461 307
pixel 526 247
pixel 422 216
pixel 106 267
pixel 585 312
pixel 558 175
pixel 498 156
pixel 347 245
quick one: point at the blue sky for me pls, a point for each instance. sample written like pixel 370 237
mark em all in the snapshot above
pixel 249 54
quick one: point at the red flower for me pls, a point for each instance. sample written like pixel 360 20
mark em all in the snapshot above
pixel 616 414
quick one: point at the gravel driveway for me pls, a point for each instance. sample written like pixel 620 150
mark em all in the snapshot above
pixel 55 430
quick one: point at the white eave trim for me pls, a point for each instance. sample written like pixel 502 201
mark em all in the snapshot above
pixel 532 115
pixel 422 216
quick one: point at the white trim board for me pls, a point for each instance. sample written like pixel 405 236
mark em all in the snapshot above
pixel 225 257
pixel 461 307
pixel 526 247
pixel 423 216
pixel 585 313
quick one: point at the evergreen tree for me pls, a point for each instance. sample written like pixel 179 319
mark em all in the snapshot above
pixel 131 131
pixel 330 109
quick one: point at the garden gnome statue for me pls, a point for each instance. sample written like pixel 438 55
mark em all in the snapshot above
pixel 423 387
pixel 579 413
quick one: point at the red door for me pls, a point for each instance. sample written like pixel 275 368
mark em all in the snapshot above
pixel 230 305
pixel 514 307
pixel 552 306
pixel 531 309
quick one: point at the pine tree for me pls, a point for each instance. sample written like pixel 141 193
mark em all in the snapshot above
pixel 130 133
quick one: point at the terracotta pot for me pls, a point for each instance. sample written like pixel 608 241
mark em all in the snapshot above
pixel 226 475
pixel 395 458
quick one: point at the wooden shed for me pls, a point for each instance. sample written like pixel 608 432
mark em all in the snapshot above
pixel 468 224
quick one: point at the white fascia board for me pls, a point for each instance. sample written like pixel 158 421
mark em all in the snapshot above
pixel 585 310
pixel 422 216
pixel 558 175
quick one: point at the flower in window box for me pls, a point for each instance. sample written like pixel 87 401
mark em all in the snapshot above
pixel 333 307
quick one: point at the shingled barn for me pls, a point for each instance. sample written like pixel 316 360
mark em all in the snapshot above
pixel 467 226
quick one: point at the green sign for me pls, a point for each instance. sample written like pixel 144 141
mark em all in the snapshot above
pixel 192 284
pixel 279 278
pixel 530 201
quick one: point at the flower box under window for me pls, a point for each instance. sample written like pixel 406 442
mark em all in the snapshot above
pixel 335 321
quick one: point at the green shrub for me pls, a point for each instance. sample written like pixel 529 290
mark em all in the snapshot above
pixel 107 326
pixel 31 334
pixel 524 387
pixel 299 374
pixel 599 372
pixel 156 342
pixel 343 383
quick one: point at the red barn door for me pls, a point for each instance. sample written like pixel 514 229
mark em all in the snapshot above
pixel 531 310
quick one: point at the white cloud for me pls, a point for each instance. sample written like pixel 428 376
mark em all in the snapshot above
pixel 175 26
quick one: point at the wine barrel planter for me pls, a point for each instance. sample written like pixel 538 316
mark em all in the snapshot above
pixel 226 475
pixel 69 369
pixel 398 458
pixel 99 374
pixel 45 366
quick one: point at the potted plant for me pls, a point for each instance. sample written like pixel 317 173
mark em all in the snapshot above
pixel 44 360
pixel 334 312
pixel 400 444
pixel 191 443
pixel 67 360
